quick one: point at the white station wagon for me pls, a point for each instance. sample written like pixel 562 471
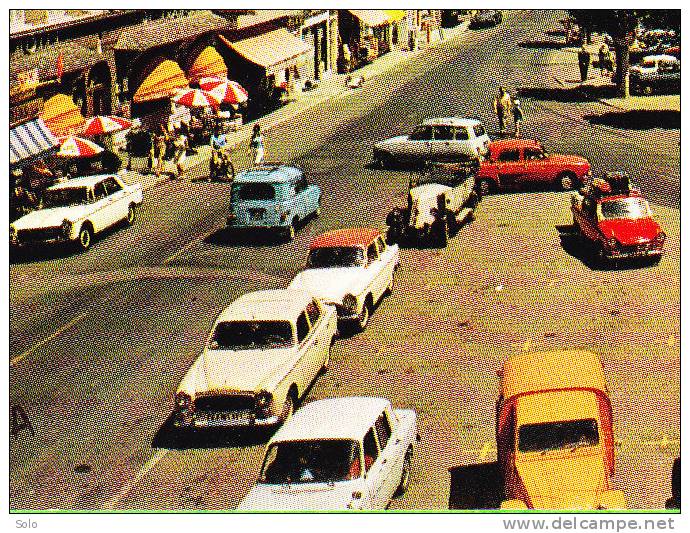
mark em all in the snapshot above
pixel 351 269
pixel 75 210
pixel 339 453
pixel 263 352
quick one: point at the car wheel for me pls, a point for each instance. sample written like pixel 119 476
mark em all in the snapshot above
pixel 440 234
pixel 567 181
pixel 485 187
pixel 288 408
pixel 85 237
pixel 131 214
pixel 363 318
pixel 405 475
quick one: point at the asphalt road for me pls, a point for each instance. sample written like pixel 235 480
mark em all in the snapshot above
pixel 99 341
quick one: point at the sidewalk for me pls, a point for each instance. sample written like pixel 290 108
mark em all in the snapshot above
pixel 327 89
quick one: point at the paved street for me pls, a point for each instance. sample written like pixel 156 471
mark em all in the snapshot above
pixel 99 341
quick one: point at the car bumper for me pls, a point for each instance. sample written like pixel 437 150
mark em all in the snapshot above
pixel 227 422
pixel 634 254
pixel 232 223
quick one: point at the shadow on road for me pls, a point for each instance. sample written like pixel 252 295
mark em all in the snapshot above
pixel 227 237
pixel 555 33
pixel 573 94
pixel 475 487
pixel 639 119
pixel 174 438
pixel 551 45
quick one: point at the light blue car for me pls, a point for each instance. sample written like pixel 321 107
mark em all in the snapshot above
pixel 273 197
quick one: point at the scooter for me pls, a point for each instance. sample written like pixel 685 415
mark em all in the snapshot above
pixel 220 166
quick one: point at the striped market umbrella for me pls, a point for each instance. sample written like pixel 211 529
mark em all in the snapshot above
pixel 224 90
pixel 72 146
pixel 101 125
pixel 195 98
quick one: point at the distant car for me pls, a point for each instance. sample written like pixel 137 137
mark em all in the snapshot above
pixel 76 210
pixel 436 206
pixel 337 454
pixel 518 163
pixel 263 353
pixel 656 74
pixel 486 17
pixel 449 139
pixel 351 269
pixel 616 221
pixel 554 432
pixel 273 197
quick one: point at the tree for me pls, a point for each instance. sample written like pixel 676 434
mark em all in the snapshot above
pixel 620 24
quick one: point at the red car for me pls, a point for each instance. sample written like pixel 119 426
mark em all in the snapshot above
pixel 516 163
pixel 617 221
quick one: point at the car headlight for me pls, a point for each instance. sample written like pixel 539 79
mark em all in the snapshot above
pixel 183 401
pixel 263 400
pixel 350 303
pixel 66 227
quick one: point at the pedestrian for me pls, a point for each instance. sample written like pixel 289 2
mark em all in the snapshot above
pixel 152 156
pixel 161 147
pixel 583 60
pixel 604 58
pixel 256 144
pixel 502 106
pixel 180 157
pixel 517 117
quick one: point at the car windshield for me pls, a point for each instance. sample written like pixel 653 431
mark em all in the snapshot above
pixel 64 197
pixel 311 461
pixel 245 335
pixel 253 191
pixel 630 208
pixel 479 130
pixel 558 435
pixel 335 256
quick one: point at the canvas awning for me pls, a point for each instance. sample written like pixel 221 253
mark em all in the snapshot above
pixel 163 82
pixel 208 63
pixel 371 17
pixel 62 116
pixel 273 51
pixel 395 15
pixel 31 141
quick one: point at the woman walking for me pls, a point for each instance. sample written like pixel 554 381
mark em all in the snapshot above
pixel 517 117
pixel 181 146
pixel 256 144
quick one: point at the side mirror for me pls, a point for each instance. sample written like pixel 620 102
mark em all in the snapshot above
pixel 513 505
pixel 612 499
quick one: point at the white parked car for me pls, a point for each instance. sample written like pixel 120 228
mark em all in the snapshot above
pixel 450 139
pixel 339 453
pixel 263 353
pixel 351 269
pixel 78 209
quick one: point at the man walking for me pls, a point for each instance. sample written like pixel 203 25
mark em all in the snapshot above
pixel 502 106
pixel 517 117
pixel 583 60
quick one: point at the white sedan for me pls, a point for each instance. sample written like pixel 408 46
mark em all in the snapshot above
pixel 351 269
pixel 338 453
pixel 75 210
pixel 263 353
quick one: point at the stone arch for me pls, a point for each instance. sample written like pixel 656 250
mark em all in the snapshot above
pixel 99 90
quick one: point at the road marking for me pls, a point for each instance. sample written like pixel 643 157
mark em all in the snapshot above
pixel 49 338
pixel 127 487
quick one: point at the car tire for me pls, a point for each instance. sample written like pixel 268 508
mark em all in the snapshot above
pixel 440 234
pixel 485 187
pixel 131 214
pixel 405 475
pixel 85 237
pixel 363 319
pixel 567 181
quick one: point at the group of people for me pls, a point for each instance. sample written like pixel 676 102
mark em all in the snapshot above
pixel 505 106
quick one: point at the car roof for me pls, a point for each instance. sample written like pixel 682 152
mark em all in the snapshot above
pixel 332 418
pixel 345 237
pixel 556 406
pixel 529 372
pixel 451 121
pixel 512 144
pixel 276 304
pixel 433 188
pixel 269 174
pixel 661 57
pixel 83 181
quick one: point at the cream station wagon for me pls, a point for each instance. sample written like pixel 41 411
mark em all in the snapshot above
pixel 263 353
pixel 351 269
pixel 75 210
pixel 338 453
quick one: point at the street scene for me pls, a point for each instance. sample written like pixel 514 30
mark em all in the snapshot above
pixel 344 260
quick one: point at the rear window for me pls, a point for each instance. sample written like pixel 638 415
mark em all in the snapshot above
pixel 479 130
pixel 335 256
pixel 461 133
pixel 253 191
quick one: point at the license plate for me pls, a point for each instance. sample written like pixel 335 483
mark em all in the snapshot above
pixel 232 416
pixel 256 214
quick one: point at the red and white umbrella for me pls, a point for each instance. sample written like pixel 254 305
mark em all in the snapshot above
pixel 101 125
pixel 224 90
pixel 72 146
pixel 195 98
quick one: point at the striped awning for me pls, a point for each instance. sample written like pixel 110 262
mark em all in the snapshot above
pixel 208 63
pixel 371 17
pixel 62 116
pixel 163 82
pixel 31 141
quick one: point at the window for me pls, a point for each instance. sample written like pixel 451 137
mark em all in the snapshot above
pixel 372 253
pixel 313 312
pixel 383 430
pixel 253 191
pixel 112 186
pixel 381 245
pixel 461 133
pixel 509 156
pixel 301 185
pixel 302 327
pixel 443 133
pixel 67 196
pixel 99 191
pixel 335 256
pixel 371 450
pixel 558 435
pixel 245 335
pixel 533 154
pixel 479 130
pixel 421 133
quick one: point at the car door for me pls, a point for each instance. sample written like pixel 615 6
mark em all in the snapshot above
pixel 391 457
pixel 418 145
pixel 100 215
pixel 307 367
pixel 443 145
pixel 302 200
pixel 117 200
pixel 387 259
pixel 510 168
pixel 587 218
pixel 374 470
pixel 375 272
pixel 319 330
pixel 537 167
